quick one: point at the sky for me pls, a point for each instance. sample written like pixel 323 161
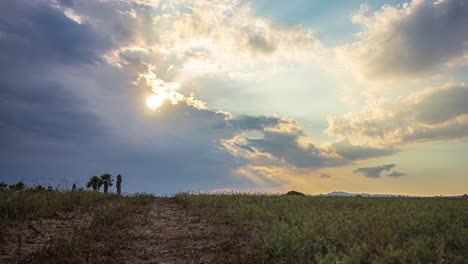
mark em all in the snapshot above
pixel 250 96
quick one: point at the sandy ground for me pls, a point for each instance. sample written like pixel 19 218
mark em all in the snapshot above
pixel 167 234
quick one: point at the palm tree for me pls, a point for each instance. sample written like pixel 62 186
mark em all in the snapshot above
pixel 107 180
pixel 94 182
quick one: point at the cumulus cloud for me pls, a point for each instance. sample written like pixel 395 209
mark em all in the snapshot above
pixel 375 172
pixel 433 114
pixel 409 41
pixel 283 142
pixel 193 38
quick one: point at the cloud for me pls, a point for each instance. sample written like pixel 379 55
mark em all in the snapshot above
pixel 396 174
pixel 281 143
pixel 184 39
pixel 325 176
pixel 374 172
pixel 433 114
pixel 355 152
pixel 409 41
pixel 256 122
pixel 32 31
pixel 36 38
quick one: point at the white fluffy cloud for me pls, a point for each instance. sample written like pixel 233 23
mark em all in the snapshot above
pixel 433 114
pixel 183 39
pixel 408 41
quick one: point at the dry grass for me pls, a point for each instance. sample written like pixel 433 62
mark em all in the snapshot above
pixel 67 227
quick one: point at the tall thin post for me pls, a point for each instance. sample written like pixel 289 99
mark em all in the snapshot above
pixel 119 184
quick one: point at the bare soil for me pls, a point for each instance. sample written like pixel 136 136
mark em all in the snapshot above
pixel 168 233
pixel 20 239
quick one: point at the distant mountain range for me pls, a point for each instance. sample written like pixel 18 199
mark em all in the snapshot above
pixel 380 195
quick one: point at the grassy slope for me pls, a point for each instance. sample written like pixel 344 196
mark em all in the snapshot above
pixel 346 230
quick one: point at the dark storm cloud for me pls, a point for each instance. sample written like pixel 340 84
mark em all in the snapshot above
pixel 44 111
pixel 34 32
pixel 36 38
pixel 44 125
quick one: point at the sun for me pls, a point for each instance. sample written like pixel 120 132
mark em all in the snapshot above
pixel 164 93
pixel 155 101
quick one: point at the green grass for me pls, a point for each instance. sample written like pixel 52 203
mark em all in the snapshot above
pixel 296 229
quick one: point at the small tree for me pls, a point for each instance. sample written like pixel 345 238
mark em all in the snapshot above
pixel 107 180
pixel 94 182
pixel 3 186
pixel 19 186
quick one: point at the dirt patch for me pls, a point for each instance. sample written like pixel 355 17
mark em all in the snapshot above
pixel 170 234
pixel 20 239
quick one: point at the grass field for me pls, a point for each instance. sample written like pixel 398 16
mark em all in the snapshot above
pixel 295 229
pixel 51 226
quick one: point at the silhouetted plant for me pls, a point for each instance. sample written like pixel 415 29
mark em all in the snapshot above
pixel 107 180
pixel 3 186
pixel 119 184
pixel 39 188
pixel 19 186
pixel 74 187
pixel 94 182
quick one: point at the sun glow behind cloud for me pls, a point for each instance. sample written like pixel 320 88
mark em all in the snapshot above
pixel 163 92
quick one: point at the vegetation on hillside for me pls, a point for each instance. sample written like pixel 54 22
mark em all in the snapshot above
pixel 101 224
pixel 297 229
